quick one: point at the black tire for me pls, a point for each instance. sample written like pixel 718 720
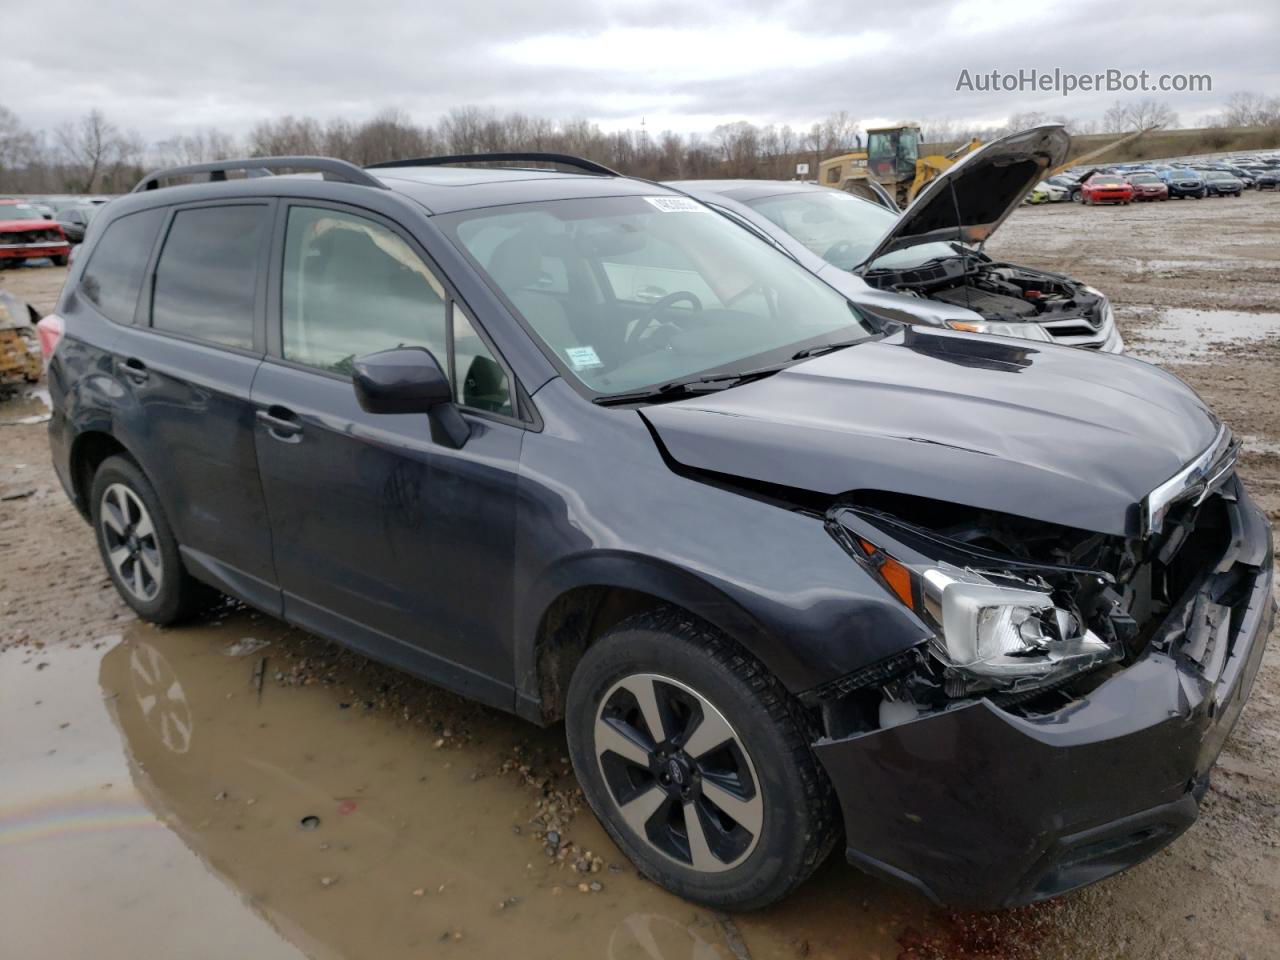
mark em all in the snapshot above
pixel 60 260
pixel 177 594
pixel 798 816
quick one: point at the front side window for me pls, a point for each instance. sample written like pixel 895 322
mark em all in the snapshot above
pixel 352 286
pixel 655 288
pixel 113 276
pixel 207 274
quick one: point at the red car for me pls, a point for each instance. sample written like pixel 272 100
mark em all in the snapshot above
pixel 1106 188
pixel 26 235
pixel 1147 186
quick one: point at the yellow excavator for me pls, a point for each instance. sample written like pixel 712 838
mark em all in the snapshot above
pixel 891 166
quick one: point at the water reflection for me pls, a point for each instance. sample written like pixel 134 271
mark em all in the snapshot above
pixel 416 849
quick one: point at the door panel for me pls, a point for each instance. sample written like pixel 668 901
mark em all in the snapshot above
pixel 187 414
pixel 186 368
pixel 385 539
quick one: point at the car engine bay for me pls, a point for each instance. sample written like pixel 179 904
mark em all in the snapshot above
pixel 994 290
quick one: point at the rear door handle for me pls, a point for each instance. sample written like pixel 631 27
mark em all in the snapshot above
pixel 281 423
pixel 134 369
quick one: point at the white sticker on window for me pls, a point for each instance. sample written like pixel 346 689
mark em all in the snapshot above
pixel 677 204
pixel 583 358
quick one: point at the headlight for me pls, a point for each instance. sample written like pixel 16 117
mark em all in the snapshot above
pixel 992 632
pixel 1005 633
pixel 1021 331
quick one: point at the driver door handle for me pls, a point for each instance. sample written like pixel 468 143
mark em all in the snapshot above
pixel 281 422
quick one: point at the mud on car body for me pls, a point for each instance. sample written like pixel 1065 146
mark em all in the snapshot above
pixel 926 265
pixel 981 611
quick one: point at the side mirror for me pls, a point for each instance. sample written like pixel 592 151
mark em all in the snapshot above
pixel 410 380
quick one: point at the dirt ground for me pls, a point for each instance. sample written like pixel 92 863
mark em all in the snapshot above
pixel 237 788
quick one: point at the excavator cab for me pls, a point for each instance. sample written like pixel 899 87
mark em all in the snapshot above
pixel 892 153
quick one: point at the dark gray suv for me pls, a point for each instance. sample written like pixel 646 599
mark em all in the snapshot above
pixel 980 611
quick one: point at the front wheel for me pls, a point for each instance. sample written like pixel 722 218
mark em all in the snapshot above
pixel 697 762
pixel 60 260
pixel 138 547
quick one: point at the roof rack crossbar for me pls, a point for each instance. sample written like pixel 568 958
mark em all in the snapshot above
pixel 565 159
pixel 333 169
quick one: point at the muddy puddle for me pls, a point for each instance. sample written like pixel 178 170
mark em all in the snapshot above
pixel 1180 335
pixel 187 813
pixel 26 406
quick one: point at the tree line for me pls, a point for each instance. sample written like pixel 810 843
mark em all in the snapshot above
pixel 95 155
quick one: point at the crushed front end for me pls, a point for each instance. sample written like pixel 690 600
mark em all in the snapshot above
pixel 1057 721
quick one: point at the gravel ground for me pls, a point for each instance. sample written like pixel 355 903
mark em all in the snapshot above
pixel 1198 266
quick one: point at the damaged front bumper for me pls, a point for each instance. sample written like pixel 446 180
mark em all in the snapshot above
pixel 980 807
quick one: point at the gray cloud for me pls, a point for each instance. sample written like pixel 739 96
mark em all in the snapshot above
pixel 162 69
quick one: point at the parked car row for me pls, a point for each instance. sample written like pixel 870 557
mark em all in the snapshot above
pixel 1125 183
pixel 71 212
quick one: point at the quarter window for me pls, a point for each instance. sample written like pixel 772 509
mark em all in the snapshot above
pixel 113 275
pixel 207 274
pixel 481 381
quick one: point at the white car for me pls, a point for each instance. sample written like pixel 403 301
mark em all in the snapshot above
pixel 1046 192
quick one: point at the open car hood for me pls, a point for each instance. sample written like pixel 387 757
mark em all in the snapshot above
pixel 1054 434
pixel 988 186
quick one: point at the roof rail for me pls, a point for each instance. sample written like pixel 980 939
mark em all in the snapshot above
pixel 564 159
pixel 332 169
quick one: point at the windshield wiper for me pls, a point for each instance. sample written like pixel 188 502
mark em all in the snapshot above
pixel 687 387
pixel 825 348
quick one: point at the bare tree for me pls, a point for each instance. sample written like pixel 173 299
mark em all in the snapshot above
pixel 202 146
pixel 1140 115
pixel 17 144
pixel 286 136
pixel 96 154
pixel 1248 109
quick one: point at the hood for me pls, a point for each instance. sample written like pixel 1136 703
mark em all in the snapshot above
pixel 988 183
pixel 1051 433
pixel 26 224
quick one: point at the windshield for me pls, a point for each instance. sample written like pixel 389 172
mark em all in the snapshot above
pixel 1144 178
pixel 630 292
pixel 842 229
pixel 19 211
pixel 1106 182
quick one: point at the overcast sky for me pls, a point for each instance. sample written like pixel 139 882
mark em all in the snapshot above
pixel 161 70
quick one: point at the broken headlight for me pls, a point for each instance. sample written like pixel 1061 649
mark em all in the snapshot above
pixel 993 631
pixel 992 634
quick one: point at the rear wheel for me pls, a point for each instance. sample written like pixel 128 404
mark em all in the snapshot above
pixel 697 762
pixel 138 547
pixel 60 260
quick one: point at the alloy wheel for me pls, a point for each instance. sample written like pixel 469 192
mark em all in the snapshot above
pixel 130 539
pixel 678 772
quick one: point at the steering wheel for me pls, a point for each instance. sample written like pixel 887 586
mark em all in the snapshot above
pixel 656 309
pixel 840 247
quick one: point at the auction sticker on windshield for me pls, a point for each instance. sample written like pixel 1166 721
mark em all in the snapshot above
pixel 677 205
pixel 583 358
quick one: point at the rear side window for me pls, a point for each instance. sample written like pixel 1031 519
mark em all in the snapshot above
pixel 207 274
pixel 113 275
